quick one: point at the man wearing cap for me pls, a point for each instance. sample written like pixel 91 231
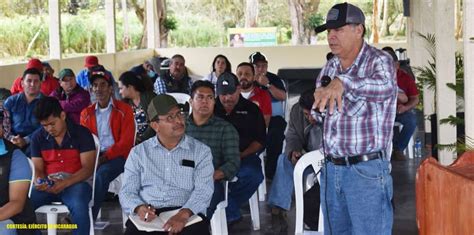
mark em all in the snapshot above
pixel 245 116
pixel 251 91
pixel 63 152
pixel 15 179
pixel 359 107
pixel 48 82
pixel 113 122
pixel 176 79
pixel 276 127
pixel 405 113
pixel 20 108
pixel 171 171
pixel 48 71
pixel 73 98
pixel 91 63
pixel 216 133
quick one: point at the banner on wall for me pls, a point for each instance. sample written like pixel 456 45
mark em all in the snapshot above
pixel 252 37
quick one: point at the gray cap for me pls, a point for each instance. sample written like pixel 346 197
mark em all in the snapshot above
pixel 340 15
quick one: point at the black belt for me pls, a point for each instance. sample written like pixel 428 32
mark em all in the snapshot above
pixel 336 160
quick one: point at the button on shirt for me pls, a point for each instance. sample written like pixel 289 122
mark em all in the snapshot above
pixel 369 101
pixel 103 126
pixel 154 175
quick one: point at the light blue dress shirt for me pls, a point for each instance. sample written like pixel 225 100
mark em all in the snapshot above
pixel 155 175
pixel 103 126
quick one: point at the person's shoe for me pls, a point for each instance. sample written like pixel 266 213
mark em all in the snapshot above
pixel 279 221
pixel 398 155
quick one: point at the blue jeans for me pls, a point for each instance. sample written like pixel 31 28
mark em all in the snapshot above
pixel 283 185
pixel 217 196
pixel 76 197
pixel 249 178
pixel 104 175
pixel 3 227
pixel 356 199
pixel 408 120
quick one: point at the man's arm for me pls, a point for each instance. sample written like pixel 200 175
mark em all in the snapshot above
pixel 129 195
pixel 78 103
pixel 412 103
pixel 294 136
pixel 276 92
pixel 122 147
pixel 254 147
pixel 17 192
pixel 230 150
pixel 159 86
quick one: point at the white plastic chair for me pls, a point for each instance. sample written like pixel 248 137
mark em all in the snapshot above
pixel 316 160
pixel 219 220
pixel 32 166
pixel 53 210
pixel 262 188
pixel 409 149
pixel 181 98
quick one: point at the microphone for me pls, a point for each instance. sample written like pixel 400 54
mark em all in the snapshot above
pixel 325 80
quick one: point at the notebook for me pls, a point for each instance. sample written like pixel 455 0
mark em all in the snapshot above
pixel 158 223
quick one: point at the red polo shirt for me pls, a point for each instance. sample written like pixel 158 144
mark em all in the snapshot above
pixel 66 156
pixel 262 99
pixel 406 83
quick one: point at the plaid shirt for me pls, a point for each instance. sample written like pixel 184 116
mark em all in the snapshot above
pixel 369 104
pixel 223 140
pixel 160 87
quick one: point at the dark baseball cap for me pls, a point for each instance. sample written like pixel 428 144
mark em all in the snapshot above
pixel 340 15
pixel 161 105
pixel 66 73
pixel 227 84
pixel 257 57
pixel 99 72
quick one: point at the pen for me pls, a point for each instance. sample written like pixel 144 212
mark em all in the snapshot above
pixel 146 214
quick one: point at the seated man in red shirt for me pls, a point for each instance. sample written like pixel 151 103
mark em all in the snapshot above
pixel 246 75
pixel 64 156
pixel 48 84
pixel 405 114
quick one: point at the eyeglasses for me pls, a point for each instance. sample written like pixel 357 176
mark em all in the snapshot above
pixel 171 118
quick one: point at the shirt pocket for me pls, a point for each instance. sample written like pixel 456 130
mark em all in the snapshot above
pixel 183 177
pixel 17 114
pixel 355 108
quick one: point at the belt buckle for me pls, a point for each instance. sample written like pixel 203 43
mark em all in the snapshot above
pixel 346 159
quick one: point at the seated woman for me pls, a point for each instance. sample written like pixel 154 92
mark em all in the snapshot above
pixel 132 89
pixel 15 177
pixel 220 64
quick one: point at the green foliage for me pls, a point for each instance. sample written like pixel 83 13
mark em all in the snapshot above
pixel 315 20
pixel 170 22
pixel 207 34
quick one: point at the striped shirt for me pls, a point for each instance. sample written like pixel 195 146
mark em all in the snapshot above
pixel 369 104
pixel 159 177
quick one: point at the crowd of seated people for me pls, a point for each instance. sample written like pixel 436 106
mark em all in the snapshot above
pixel 180 161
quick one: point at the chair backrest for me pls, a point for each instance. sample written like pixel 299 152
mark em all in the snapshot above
pixel 97 149
pixel 32 166
pixel 181 98
pixel 301 184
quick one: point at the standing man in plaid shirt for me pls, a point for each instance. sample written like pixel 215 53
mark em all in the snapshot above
pixel 359 106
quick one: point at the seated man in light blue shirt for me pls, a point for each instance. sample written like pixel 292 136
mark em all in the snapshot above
pixel 171 171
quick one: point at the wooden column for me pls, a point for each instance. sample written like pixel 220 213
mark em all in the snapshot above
pixel 110 26
pixel 445 73
pixel 54 30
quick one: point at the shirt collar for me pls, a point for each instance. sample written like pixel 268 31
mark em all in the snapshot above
pixel 184 143
pixel 357 60
pixel 111 104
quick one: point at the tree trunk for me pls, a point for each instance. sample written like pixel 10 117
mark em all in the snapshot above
pixel 385 29
pixel 458 20
pixel 251 13
pixel 300 10
pixel 375 34
pixel 161 14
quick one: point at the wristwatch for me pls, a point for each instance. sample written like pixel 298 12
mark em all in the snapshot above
pixel 268 85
